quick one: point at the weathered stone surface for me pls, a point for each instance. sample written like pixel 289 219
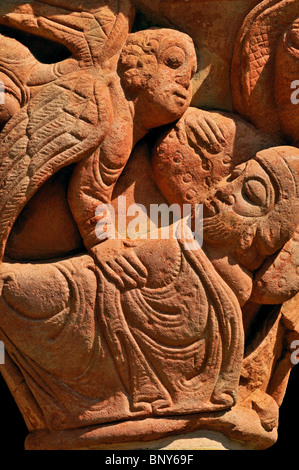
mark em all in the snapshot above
pixel 213 25
pixel 133 340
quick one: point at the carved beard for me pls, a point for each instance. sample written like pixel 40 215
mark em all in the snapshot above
pixel 223 227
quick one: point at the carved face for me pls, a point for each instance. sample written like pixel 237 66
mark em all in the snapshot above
pixel 243 199
pixel 157 66
pixel 169 90
pixel 248 192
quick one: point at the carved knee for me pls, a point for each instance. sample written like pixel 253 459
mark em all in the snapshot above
pixel 36 291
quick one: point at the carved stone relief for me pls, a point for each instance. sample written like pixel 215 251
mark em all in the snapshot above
pixel 126 341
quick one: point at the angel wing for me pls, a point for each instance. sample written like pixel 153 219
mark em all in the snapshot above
pixel 254 62
pixel 63 124
pixel 93 30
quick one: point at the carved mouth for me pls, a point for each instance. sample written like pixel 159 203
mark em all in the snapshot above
pixel 180 95
pixel 210 208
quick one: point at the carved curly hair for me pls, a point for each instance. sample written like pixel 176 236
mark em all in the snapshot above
pixel 139 57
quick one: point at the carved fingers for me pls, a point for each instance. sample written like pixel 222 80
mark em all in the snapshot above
pixel 128 271
pixel 123 267
pixel 205 132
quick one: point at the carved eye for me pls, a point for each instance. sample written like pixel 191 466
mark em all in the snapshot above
pixel 294 34
pixel 256 192
pixel 174 57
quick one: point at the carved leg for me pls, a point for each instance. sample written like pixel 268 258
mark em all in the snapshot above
pixel 36 291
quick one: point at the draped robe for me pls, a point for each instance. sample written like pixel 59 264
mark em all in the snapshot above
pixel 91 354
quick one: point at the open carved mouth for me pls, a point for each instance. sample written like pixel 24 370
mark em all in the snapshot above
pixel 210 208
pixel 180 95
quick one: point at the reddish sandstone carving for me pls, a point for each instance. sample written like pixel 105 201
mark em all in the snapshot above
pixel 219 141
pixel 123 341
pixel 86 115
pixel 265 64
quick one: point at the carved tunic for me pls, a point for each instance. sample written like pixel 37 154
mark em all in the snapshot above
pixel 117 342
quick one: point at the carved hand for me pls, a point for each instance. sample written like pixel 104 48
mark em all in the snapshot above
pixel 204 132
pixel 120 264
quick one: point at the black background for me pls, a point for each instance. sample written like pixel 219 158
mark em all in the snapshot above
pixel 14 431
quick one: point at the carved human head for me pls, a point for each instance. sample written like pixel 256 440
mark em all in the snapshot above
pixel 156 66
pixel 193 155
pixel 256 209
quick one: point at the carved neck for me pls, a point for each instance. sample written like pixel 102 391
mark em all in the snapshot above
pixel 236 277
pixel 126 109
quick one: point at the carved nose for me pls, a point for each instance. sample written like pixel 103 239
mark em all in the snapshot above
pixel 225 197
pixel 184 80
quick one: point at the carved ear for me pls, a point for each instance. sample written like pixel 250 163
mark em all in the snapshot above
pixel 133 81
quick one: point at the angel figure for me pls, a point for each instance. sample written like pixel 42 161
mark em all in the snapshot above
pixel 92 108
